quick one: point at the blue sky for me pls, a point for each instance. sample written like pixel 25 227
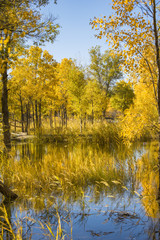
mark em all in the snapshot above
pixel 76 35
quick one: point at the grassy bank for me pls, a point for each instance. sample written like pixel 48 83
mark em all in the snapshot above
pixel 99 132
pixel 111 132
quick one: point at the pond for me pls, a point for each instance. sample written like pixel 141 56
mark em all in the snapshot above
pixel 82 191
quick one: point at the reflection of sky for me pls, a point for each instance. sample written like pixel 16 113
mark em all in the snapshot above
pixel 101 220
pixel 96 216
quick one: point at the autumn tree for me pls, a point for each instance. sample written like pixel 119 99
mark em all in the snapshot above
pixel 64 72
pixel 77 93
pixel 48 76
pixel 122 96
pixel 133 29
pixel 95 98
pixel 19 20
pixel 105 69
pixel 32 85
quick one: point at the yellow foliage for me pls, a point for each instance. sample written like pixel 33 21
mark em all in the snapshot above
pixel 127 30
pixel 148 175
pixel 141 120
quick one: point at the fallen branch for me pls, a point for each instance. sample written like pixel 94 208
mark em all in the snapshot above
pixel 9 195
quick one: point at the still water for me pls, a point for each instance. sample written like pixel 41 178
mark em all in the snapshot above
pixel 112 194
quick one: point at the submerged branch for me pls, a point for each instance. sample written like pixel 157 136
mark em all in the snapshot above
pixel 9 195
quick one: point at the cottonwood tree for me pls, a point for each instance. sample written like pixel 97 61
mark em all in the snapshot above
pixel 122 96
pixel 32 85
pixel 77 93
pixel 132 29
pixel 139 120
pixel 105 68
pixel 19 20
pixel 64 70
pixel 95 98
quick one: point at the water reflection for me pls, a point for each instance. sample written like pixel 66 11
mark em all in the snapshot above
pixel 85 191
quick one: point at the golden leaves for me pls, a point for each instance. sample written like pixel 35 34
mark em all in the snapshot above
pixel 5 31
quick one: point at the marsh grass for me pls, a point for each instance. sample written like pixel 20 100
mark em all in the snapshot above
pixel 20 227
pixel 101 132
pixel 66 172
pixel 63 171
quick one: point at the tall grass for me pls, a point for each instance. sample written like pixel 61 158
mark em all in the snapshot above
pixel 63 170
pixel 101 132
pixel 60 172
pixel 18 229
pixel 69 173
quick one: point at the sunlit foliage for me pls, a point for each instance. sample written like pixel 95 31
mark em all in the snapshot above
pixel 122 96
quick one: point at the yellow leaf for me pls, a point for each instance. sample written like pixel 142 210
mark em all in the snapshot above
pixel 116 182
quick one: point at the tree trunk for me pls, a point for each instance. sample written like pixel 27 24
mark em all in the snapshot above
pixel 156 38
pixel 5 112
pixel 39 117
pixel 62 117
pixel 22 114
pixel 85 121
pixel 36 112
pixel 65 117
pixel 29 114
pixel 51 119
pixel 27 117
pixel 81 122
pixel 33 116
pixel 15 121
pixel 15 125
pixel 103 114
pixel 92 113
pixel 55 123
pixel 9 195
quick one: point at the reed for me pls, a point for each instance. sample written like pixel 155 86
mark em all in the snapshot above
pixel 101 132
pixel 62 171
pixel 18 230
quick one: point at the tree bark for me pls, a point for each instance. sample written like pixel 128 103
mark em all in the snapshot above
pixel 15 125
pixel 81 123
pixel 62 117
pixel 51 119
pixel 39 117
pixel 65 116
pixel 157 57
pixel 92 113
pixel 33 116
pixel 27 118
pixel 156 37
pixel 5 112
pixel 85 121
pixel 22 113
pixel 36 112
pixel 55 124
pixel 9 195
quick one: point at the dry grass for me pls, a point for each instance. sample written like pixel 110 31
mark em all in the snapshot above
pixel 61 170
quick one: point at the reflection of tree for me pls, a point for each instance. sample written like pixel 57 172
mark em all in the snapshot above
pixel 30 150
pixel 7 192
pixel 84 170
pixel 148 175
